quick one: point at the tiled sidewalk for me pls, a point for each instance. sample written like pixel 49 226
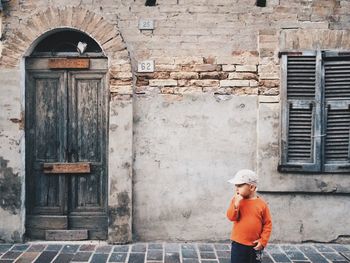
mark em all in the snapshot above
pixel 97 252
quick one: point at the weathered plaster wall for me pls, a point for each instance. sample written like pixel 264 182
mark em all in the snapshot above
pixel 120 170
pixel 184 154
pixel 11 166
pixel 303 217
pixel 0 32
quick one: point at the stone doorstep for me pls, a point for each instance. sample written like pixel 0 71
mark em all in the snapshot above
pixel 68 235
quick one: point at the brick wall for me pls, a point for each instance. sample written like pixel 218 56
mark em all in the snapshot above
pixel 223 47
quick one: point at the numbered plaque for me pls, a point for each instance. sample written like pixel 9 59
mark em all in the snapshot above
pixel 146 24
pixel 145 66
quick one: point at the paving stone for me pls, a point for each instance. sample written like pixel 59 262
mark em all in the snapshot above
pixel 155 254
pixel 19 247
pixel 87 247
pixel 333 256
pixel 345 255
pixel 155 246
pixel 138 248
pixel 340 248
pixel 5 247
pixel 54 247
pixel 70 248
pixel 118 257
pixel 189 253
pixel 123 248
pixel 172 247
pixel 27 257
pixel 273 249
pixel 223 254
pixel 104 249
pixel 315 257
pixel 190 260
pixel 11 255
pixel 266 258
pixel 222 247
pixel 188 246
pixel 323 248
pixel 289 248
pixel 207 255
pixel 205 247
pixel 36 248
pixel 99 258
pixel 280 257
pixel 308 249
pixel 172 257
pixel 63 258
pixel 46 256
pixel 136 258
pixel 82 256
pixel 295 255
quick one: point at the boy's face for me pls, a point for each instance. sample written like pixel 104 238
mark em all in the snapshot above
pixel 245 190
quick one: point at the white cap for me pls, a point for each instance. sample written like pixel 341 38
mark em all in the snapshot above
pixel 244 176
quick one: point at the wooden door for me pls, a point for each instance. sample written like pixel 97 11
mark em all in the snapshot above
pixel 66 120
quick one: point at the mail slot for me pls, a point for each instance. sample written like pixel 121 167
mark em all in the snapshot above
pixel 70 168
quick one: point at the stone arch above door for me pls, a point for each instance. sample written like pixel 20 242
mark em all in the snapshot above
pixel 20 42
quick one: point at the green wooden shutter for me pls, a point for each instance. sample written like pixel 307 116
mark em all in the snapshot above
pixel 301 108
pixel 337 113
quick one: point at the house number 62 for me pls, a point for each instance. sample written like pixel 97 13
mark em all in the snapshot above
pixel 146 66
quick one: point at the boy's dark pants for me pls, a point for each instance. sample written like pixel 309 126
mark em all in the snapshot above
pixel 244 254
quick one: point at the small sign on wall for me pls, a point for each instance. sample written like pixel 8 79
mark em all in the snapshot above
pixel 146 24
pixel 145 66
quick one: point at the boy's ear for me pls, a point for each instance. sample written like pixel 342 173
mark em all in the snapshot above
pixel 253 186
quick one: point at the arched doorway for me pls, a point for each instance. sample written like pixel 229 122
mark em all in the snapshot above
pixel 66 109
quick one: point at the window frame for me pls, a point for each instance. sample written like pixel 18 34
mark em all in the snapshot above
pixel 317 163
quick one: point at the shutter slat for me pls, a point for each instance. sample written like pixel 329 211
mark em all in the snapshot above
pixel 300 135
pixel 337 79
pixel 301 73
pixel 337 135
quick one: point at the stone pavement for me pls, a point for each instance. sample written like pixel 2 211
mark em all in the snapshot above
pixel 96 252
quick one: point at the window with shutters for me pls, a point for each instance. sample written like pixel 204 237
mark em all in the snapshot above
pixel 315 119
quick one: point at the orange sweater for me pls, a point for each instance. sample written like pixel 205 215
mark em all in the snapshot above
pixel 252 221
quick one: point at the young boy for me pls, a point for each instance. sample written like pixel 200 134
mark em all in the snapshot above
pixel 252 220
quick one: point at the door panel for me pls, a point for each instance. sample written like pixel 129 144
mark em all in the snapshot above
pixel 65 123
pixel 87 135
pixel 45 129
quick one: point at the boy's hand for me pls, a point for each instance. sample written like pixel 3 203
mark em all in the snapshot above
pixel 258 246
pixel 237 199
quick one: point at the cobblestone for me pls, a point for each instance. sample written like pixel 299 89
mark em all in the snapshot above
pixel 166 253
